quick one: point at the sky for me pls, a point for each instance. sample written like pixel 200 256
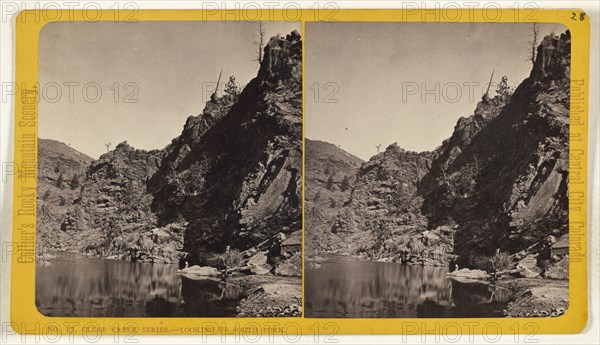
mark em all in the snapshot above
pixel 151 77
pixel 367 83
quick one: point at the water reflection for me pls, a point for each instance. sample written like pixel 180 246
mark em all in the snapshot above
pixel 78 286
pixel 343 287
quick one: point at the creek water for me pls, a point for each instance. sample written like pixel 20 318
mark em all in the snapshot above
pixel 345 287
pixel 74 285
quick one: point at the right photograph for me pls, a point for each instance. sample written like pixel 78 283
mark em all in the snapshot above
pixel 436 170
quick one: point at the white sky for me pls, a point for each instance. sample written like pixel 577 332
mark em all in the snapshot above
pixel 373 69
pixel 168 61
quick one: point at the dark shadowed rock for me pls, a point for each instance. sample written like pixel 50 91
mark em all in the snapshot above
pixel 232 178
pixel 235 172
pixel 497 186
pixel 506 188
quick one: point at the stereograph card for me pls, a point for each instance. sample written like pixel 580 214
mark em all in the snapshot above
pixel 287 171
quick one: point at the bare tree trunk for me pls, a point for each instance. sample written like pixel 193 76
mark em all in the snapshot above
pixel 534 42
pixel 261 42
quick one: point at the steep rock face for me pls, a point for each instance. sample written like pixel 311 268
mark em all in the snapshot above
pixel 386 199
pixel 235 172
pixel 505 184
pixel 330 173
pixel 379 216
pixel 325 160
pixel 232 178
pixel 182 171
pixel 56 158
pixel 107 212
pixel 386 190
pixel 61 171
pixel 499 183
pixel 115 203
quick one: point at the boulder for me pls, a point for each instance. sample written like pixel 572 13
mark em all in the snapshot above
pixel 288 269
pixel 558 270
pixel 259 264
pixel 561 247
pixel 204 271
pixel 549 240
pixel 469 274
pixel 527 273
pixel 291 267
pixel 145 243
pixel 292 244
pixel 161 235
pixel 528 267
pixel 317 258
pixel 49 257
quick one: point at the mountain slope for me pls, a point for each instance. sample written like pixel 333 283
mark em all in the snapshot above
pixel 326 161
pixel 242 171
pixel 326 169
pixel 56 158
pixel 232 178
pixel 498 184
pixel 61 171
pixel 505 185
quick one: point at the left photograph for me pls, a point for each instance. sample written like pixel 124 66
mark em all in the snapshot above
pixel 170 169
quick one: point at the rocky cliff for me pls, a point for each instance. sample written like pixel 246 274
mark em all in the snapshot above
pixel 237 167
pixel 115 206
pixel 232 178
pixel 61 172
pixel 503 175
pixel 497 185
pixel 379 217
pixel 330 173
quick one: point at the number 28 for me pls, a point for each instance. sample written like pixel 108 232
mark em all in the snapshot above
pixel 581 16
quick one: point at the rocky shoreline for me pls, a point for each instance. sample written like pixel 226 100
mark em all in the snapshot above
pixel 537 297
pixel 270 296
pixel 530 297
pixel 265 295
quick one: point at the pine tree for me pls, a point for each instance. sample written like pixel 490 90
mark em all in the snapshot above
pixel 503 89
pixel 330 183
pixel 75 181
pixel 232 89
pixel 60 181
pixel 317 197
pixel 345 184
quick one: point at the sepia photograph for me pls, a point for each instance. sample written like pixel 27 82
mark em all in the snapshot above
pixel 169 169
pixel 436 170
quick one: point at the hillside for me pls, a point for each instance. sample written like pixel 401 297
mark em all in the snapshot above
pixel 56 157
pixel 497 185
pixel 237 167
pixel 327 167
pixel 505 184
pixel 61 171
pixel 232 178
